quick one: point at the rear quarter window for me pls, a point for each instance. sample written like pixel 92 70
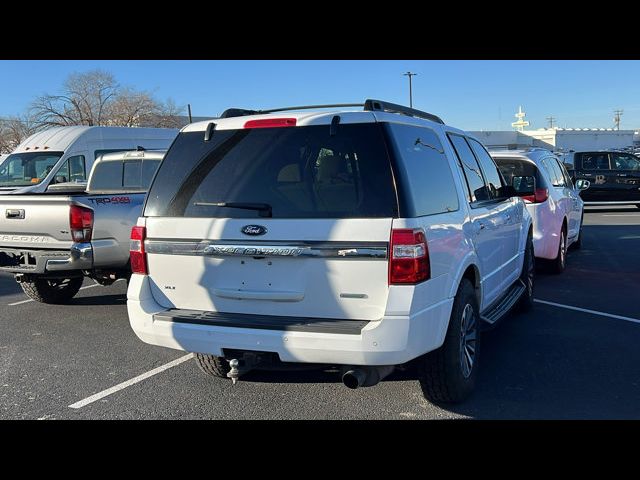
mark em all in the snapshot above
pixel 425 173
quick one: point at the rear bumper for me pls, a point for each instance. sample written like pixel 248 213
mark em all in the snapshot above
pixel 391 340
pixel 39 262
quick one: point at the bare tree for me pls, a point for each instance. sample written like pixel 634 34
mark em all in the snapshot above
pixel 96 98
pixel 85 100
pixel 131 108
pixel 168 115
pixel 14 130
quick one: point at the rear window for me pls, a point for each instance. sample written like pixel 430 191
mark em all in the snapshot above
pixel 299 172
pixel 514 167
pixel 120 175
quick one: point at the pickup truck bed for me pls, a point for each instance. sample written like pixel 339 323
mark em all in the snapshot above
pixel 35 234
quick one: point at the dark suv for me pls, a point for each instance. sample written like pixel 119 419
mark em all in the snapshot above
pixel 614 176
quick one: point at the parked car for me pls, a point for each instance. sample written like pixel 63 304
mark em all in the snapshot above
pixel 614 176
pixel 359 239
pixel 52 241
pixel 66 154
pixel 551 198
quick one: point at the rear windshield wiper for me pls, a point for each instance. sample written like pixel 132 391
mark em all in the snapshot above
pixel 263 208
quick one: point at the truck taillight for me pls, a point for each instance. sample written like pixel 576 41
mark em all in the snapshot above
pixel 137 255
pixel 80 223
pixel 409 257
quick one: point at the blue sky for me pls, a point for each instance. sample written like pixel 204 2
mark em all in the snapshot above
pixel 469 94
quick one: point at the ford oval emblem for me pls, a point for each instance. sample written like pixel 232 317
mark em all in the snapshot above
pixel 254 230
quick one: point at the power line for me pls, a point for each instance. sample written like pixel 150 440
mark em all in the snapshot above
pixel 551 119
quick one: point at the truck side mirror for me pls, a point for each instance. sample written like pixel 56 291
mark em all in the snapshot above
pixel 60 179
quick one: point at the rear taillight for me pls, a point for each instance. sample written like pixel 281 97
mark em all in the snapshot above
pixel 81 223
pixel 271 123
pixel 137 255
pixel 540 195
pixel 409 258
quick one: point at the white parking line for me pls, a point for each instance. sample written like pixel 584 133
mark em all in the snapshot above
pixel 31 300
pixel 128 383
pixel 621 214
pixel 593 312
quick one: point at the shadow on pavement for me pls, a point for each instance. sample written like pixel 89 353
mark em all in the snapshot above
pixel 103 300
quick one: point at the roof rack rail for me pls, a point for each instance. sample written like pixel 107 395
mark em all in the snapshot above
pixel 240 112
pixel 369 105
pixel 380 106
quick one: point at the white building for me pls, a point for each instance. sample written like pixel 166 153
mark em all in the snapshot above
pixel 560 138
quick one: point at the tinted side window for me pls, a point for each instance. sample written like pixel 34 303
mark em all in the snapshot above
pixel 425 170
pixel 552 167
pixel 625 161
pixel 565 174
pixel 551 173
pixel 491 174
pixel 477 188
pixel 595 161
pixel 106 176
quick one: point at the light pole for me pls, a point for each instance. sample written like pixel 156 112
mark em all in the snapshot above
pixel 409 74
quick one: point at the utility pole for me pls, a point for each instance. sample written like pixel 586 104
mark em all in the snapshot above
pixel 189 110
pixel 616 118
pixel 551 119
pixel 409 74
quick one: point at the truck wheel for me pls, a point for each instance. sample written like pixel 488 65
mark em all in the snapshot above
pixel 212 365
pixel 558 265
pixel 448 374
pixel 59 290
pixel 577 245
pixel 528 276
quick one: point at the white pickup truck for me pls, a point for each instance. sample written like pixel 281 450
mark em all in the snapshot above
pixel 52 240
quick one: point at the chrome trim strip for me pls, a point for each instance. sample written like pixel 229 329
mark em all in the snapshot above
pixel 270 249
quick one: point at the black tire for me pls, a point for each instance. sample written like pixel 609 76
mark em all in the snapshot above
pixel 442 374
pixel 560 262
pixel 212 365
pixel 528 276
pixel 577 245
pixel 56 291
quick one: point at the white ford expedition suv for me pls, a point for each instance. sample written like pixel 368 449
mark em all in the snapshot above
pixel 356 239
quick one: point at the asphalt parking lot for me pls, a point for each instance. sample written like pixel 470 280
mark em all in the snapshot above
pixel 82 361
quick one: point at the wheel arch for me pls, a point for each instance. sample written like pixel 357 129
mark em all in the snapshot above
pixel 468 269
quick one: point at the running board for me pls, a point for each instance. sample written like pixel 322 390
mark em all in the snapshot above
pixel 497 311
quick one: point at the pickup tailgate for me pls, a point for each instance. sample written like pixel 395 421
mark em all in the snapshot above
pixel 35 221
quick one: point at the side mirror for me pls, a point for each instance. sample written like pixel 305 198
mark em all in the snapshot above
pixel 60 179
pixel 524 185
pixel 582 184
